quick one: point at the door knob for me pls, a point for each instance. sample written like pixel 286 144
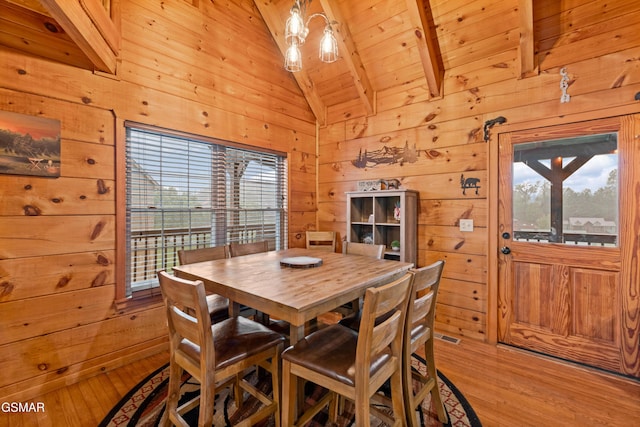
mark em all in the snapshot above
pixel 506 235
pixel 505 250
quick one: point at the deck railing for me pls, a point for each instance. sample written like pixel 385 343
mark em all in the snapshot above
pixel 153 250
pixel 576 238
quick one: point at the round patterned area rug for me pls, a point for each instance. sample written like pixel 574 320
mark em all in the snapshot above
pixel 144 404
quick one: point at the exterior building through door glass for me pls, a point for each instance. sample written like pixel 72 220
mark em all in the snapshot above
pixel 566 191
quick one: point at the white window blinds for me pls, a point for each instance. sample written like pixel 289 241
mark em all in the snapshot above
pixel 184 193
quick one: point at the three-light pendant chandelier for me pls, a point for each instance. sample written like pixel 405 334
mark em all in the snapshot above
pixel 296 32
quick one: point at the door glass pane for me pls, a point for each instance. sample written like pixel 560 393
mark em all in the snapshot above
pixel 566 191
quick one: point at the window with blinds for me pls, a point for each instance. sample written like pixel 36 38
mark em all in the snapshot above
pixel 184 193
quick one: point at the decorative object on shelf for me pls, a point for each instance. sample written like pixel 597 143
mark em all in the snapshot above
pixel 386 155
pixel 564 85
pixel 371 185
pixel 389 184
pixel 296 31
pixel 371 219
pixel 490 123
pixel 396 212
pixel 469 183
pixel 393 184
pixel 30 145
pixel 367 238
pixel 395 245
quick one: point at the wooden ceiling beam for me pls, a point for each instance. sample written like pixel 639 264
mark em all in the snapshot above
pixel 349 53
pixel 526 49
pixel 95 38
pixel 275 23
pixel 421 21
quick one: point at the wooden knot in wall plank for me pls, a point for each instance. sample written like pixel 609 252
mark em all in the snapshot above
pixel 102 260
pixel 64 281
pixel 5 289
pixel 97 230
pixel 32 210
pixel 100 279
pixel 102 187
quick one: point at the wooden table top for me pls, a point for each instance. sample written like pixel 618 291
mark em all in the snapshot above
pixel 293 294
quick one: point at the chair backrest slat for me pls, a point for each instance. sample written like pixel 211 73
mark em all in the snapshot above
pixel 240 249
pixel 190 256
pixel 422 307
pixel 353 248
pixel 324 240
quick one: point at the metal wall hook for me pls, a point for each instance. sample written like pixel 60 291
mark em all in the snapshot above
pixel 490 123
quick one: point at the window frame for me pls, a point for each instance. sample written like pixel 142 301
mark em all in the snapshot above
pixel 124 298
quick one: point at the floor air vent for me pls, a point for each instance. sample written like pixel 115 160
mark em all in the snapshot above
pixel 446 338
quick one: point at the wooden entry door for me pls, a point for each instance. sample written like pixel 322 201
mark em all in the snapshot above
pixel 568 269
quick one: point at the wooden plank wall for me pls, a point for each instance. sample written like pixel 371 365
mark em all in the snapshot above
pixel 212 69
pixel 599 44
pixel 57 268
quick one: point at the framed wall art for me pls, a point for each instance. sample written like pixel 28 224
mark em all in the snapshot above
pixel 29 145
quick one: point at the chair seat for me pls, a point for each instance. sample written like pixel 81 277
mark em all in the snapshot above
pixel 218 307
pixel 332 352
pixel 235 339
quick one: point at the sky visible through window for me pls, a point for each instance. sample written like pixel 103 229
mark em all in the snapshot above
pixel 593 175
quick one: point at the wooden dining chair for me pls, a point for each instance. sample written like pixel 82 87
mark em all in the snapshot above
pixel 240 249
pixel 190 256
pixel 349 363
pixel 215 355
pixel 218 305
pixel 418 330
pixel 324 240
pixel 419 333
pixel 353 248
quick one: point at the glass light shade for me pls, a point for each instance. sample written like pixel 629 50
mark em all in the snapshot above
pixel 293 59
pixel 294 31
pixel 328 46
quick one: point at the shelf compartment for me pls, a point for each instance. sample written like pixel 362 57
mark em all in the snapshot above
pixel 384 209
pixel 361 233
pixel 361 209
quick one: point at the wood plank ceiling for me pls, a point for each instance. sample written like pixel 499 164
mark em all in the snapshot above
pixel 382 43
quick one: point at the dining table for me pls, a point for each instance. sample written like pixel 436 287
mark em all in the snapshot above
pixel 295 285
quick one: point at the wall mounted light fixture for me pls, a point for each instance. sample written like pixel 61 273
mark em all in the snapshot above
pixel 296 31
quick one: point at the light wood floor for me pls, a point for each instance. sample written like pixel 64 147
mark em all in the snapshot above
pixel 506 387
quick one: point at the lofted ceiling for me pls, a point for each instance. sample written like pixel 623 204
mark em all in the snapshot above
pixel 395 45
pixel 374 39
pixel 383 44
